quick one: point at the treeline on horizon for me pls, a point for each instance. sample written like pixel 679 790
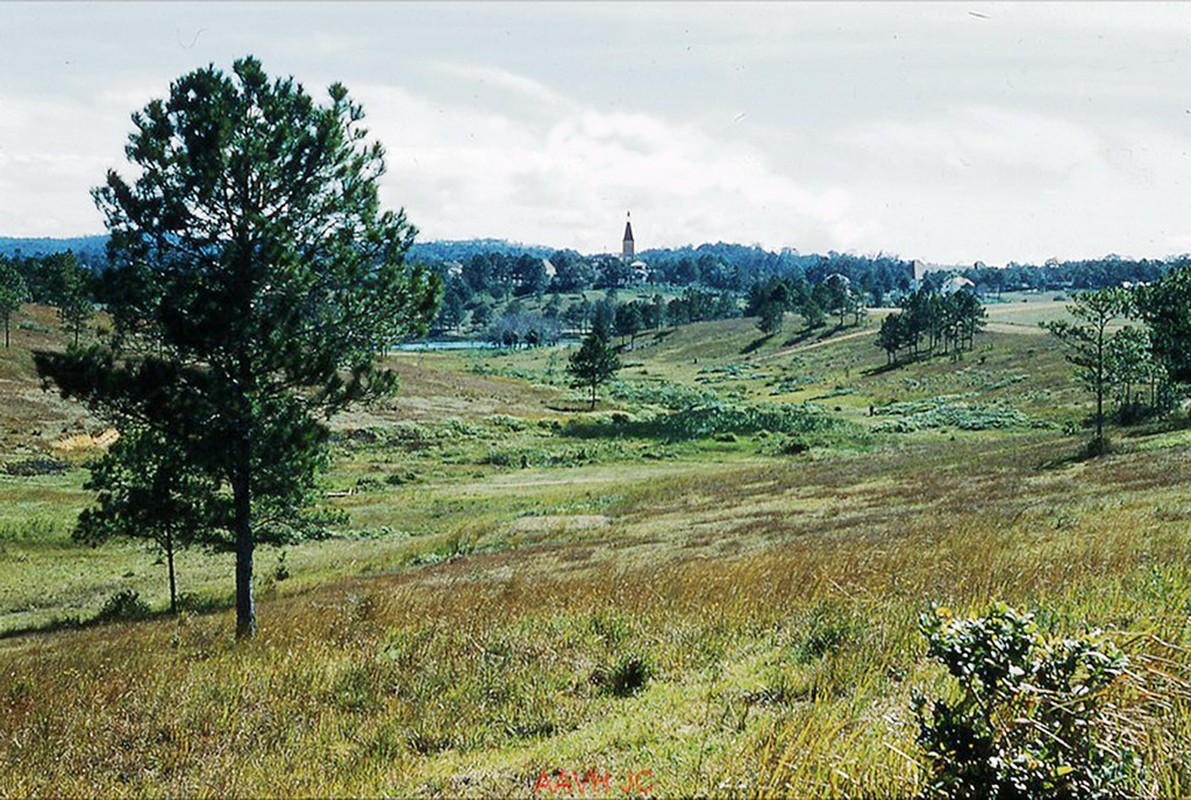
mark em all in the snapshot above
pixel 487 281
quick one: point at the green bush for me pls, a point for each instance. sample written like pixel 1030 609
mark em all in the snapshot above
pixel 625 677
pixel 710 419
pixel 793 384
pixel 964 416
pixel 665 394
pixel 125 604
pixel 827 629
pixel 1030 721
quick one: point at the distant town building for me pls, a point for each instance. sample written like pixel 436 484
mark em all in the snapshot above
pixel 957 283
pixel 921 268
pixel 628 250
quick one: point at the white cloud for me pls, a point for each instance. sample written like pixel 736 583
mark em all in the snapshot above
pixel 984 139
pixel 503 79
pixel 1037 129
pixel 1002 184
pixel 463 172
pixel 52 151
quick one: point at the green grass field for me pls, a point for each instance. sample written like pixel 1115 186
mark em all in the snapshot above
pixel 713 578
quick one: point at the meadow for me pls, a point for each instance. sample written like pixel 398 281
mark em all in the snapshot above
pixel 709 585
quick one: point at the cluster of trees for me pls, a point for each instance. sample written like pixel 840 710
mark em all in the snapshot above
pixel 834 295
pixel 713 277
pixel 1134 369
pixel 738 268
pixel 1081 275
pixel 480 275
pixel 517 326
pixel 58 279
pixel 930 322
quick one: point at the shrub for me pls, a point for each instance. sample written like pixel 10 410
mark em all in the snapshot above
pixel 125 604
pixel 32 467
pixel 281 571
pixel 790 446
pixel 964 416
pixel 1031 719
pixel 401 478
pixel 827 628
pixel 665 394
pixel 627 676
pixel 505 422
pixel 705 421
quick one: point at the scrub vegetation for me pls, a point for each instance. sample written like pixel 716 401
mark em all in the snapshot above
pixel 721 582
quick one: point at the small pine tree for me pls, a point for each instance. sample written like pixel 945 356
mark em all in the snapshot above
pixel 1087 342
pixel 147 490
pixel 77 305
pixel 592 364
pixel 13 292
pixel 770 316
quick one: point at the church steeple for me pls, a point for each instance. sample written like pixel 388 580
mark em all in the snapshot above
pixel 628 250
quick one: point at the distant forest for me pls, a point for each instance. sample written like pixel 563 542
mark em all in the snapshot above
pixel 512 292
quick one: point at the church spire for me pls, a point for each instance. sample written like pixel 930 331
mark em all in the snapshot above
pixel 628 250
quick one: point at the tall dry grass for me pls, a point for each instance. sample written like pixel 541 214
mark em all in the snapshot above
pixel 783 670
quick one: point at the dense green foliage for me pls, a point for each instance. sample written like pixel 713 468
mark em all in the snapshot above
pixel 45 276
pixel 717 418
pixel 1030 721
pixel 1166 307
pixel 947 413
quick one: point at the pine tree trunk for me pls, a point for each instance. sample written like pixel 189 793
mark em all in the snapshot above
pixel 245 606
pixel 242 515
pixel 1100 383
pixel 169 558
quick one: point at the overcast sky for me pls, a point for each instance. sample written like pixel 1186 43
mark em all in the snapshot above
pixel 949 132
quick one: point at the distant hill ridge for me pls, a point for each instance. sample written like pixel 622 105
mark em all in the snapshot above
pixel 91 249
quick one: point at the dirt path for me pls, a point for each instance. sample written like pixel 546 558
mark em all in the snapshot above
pixel 1019 328
pixel 813 345
pixel 1012 308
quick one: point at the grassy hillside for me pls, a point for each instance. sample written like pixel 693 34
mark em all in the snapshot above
pixel 524 585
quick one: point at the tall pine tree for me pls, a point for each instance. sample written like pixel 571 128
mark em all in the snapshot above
pixel 259 281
